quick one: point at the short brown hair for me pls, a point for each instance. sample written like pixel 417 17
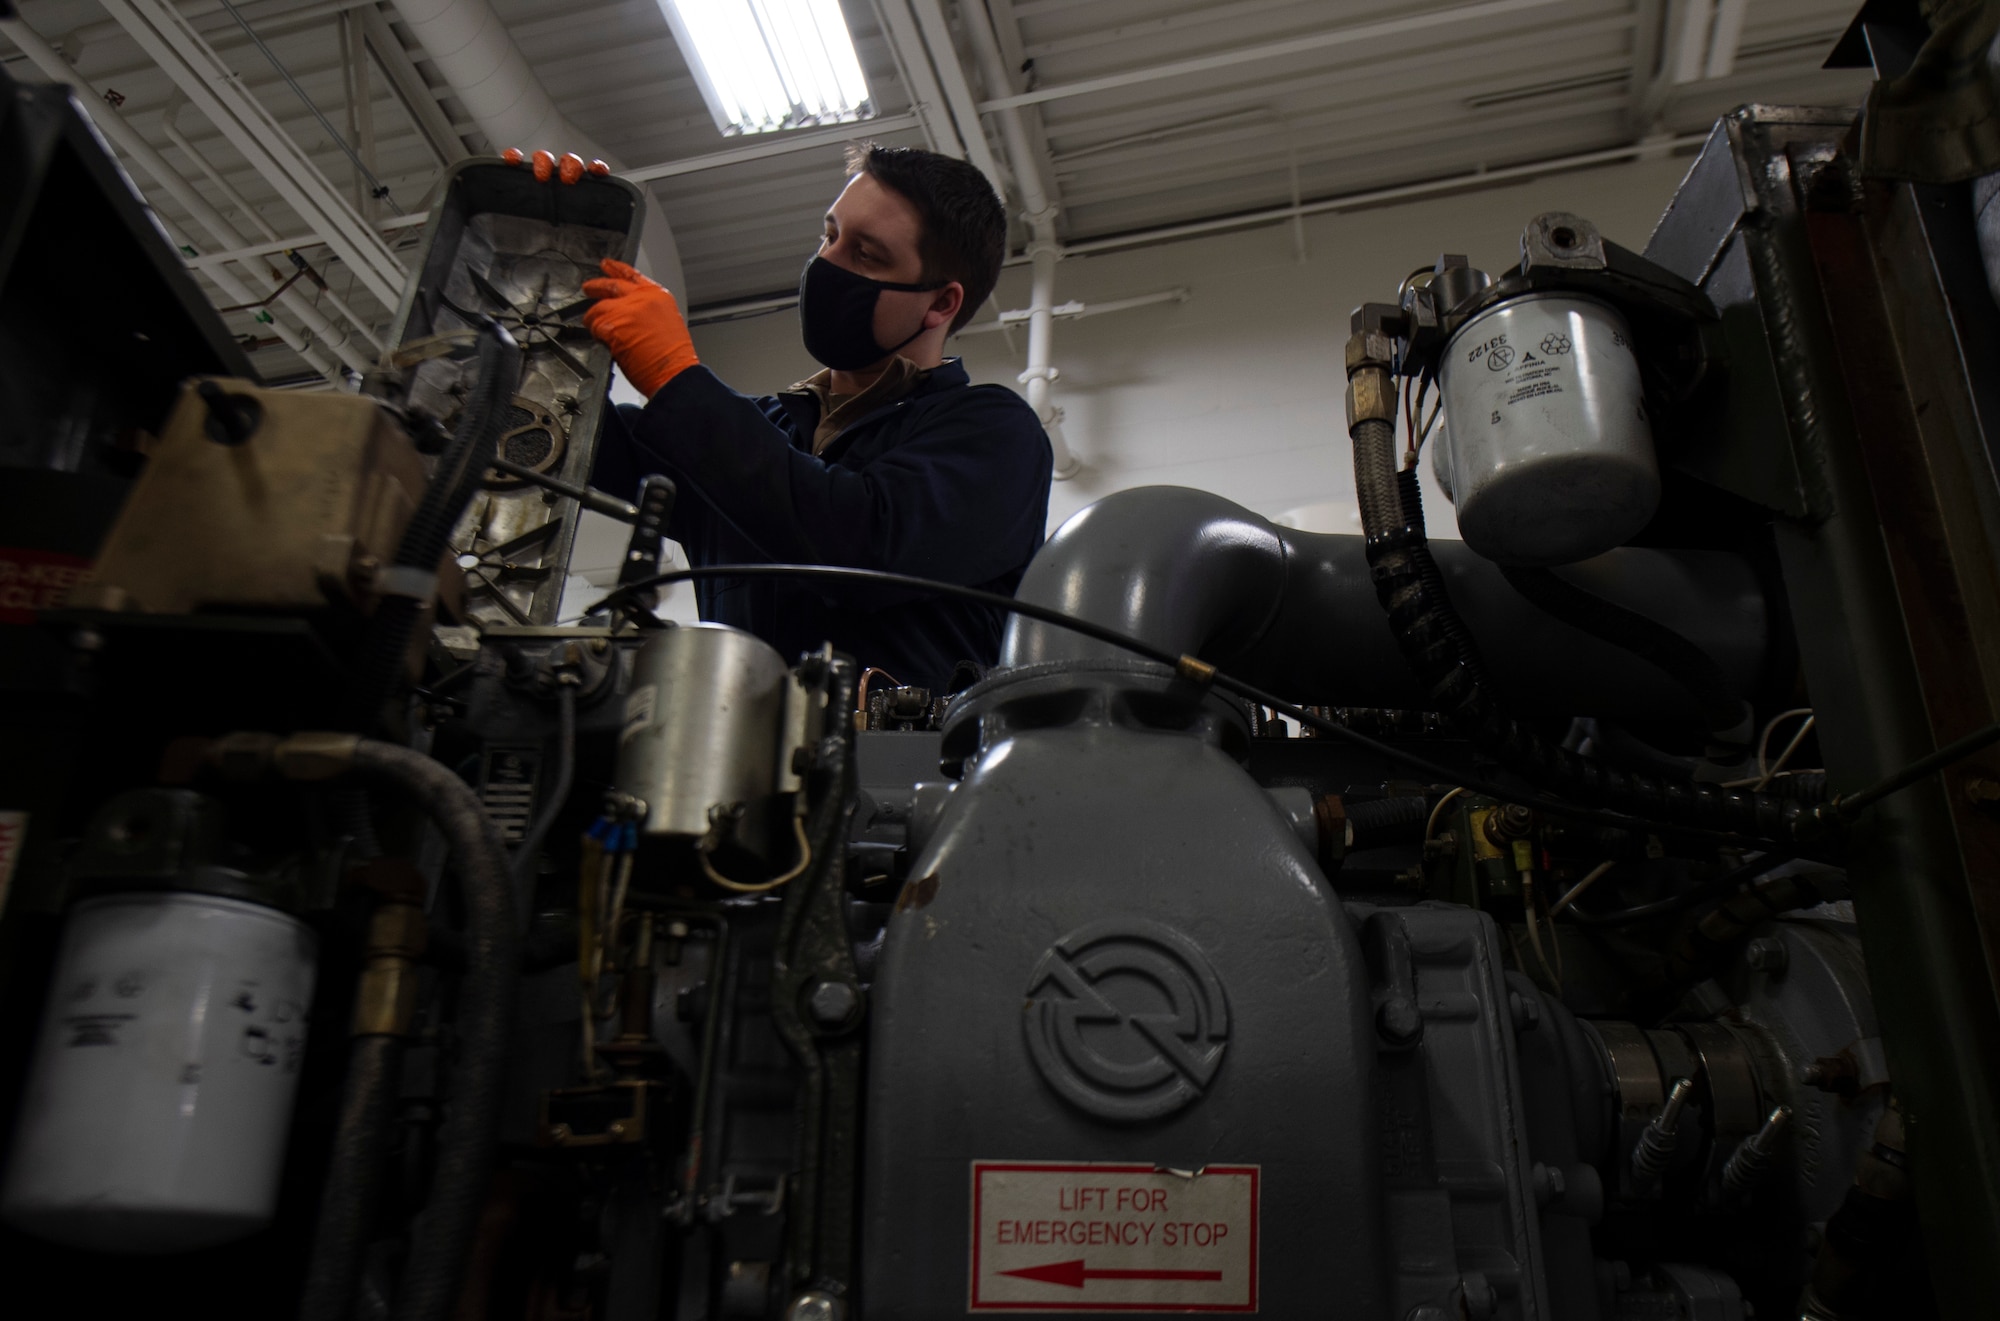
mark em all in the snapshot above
pixel 964 224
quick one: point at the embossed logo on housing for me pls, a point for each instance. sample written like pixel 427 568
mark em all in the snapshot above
pixel 1126 1019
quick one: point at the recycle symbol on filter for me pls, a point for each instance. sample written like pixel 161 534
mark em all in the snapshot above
pixel 1553 344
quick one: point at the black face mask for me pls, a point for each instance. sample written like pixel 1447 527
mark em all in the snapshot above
pixel 837 315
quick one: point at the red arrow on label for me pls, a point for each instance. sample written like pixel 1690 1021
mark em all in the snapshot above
pixel 1075 1274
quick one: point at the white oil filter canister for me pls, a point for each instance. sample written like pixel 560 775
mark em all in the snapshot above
pixel 160 1094
pixel 1548 454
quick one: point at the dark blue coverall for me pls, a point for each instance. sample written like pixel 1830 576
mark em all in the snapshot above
pixel 951 482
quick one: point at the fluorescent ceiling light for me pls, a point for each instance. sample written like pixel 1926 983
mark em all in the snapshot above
pixel 770 64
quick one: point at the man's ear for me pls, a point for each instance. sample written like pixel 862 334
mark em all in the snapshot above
pixel 945 305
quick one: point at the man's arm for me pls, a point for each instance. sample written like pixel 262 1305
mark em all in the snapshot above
pixel 953 502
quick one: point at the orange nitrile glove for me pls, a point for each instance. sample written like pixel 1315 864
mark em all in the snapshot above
pixel 570 167
pixel 642 325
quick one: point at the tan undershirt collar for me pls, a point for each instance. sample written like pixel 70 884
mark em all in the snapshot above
pixel 838 411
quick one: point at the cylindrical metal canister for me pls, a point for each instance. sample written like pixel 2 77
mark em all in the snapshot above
pixel 703 723
pixel 160 1096
pixel 1547 453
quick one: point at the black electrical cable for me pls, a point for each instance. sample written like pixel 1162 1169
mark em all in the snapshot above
pixel 1186 665
pixel 1451 671
pixel 1849 805
pixel 460 471
pixel 1845 807
pixel 1714 888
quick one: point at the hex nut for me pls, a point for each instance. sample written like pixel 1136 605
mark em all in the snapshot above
pixel 833 1004
pixel 815 1306
pixel 1767 954
pixel 1369 348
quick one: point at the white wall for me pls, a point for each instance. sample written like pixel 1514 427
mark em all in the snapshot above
pixel 1240 389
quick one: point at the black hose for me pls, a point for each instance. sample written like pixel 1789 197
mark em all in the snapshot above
pixel 460 471
pixel 1428 632
pixel 355 1172
pixel 486 993
pixel 1398 819
pixel 530 847
pixel 1723 709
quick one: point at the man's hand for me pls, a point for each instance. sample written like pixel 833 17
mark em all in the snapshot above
pixel 642 324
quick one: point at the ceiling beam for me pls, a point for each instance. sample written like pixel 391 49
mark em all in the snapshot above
pixel 777 146
pixel 1394 27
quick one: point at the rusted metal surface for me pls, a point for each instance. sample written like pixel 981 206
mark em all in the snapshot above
pixel 1893 577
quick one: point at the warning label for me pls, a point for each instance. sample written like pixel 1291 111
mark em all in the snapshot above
pixel 34 580
pixel 1113 1238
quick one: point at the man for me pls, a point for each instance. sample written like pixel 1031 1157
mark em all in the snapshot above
pixel 888 459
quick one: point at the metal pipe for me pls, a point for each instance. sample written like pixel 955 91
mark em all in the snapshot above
pixel 1427 188
pixel 783 145
pixel 332 334
pixel 958 95
pixel 210 84
pixel 1294 611
pixel 135 148
pixel 1179 69
pixel 1043 248
pixel 376 186
pixel 269 246
pixel 1075 311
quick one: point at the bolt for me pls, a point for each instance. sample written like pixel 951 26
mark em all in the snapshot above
pixel 815 1306
pixel 1768 954
pixel 1833 1073
pixel 1526 1011
pixel 1398 1022
pixel 1477 1296
pixel 1548 1183
pixel 1982 789
pixel 833 1004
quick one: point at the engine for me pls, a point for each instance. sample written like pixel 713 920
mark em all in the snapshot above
pixel 1300 924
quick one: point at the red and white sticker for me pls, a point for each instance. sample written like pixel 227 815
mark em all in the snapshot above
pixel 1097 1237
pixel 34 580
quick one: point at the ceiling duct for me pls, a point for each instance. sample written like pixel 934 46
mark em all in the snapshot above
pixel 486 71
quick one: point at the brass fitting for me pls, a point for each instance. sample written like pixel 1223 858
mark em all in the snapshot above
pixel 315 756
pixel 1371 396
pixel 1369 348
pixel 385 1000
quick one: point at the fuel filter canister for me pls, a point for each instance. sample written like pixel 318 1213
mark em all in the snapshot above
pixel 1547 452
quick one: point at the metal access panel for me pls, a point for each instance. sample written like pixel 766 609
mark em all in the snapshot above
pixel 502 244
pixel 1861 409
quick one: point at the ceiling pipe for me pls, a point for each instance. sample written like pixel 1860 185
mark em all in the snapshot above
pixel 214 89
pixel 1043 247
pixel 136 149
pixel 334 334
pixel 486 71
pixel 935 38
